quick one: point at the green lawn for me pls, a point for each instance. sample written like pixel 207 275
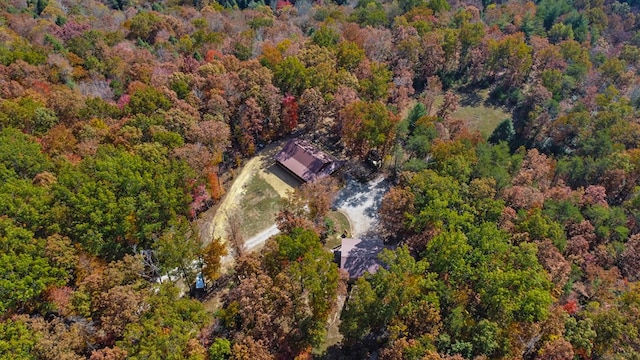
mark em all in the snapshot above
pixel 259 206
pixel 478 117
pixel 340 223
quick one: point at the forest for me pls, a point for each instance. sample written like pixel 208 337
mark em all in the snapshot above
pixel 122 121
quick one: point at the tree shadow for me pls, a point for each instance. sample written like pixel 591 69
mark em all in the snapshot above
pixel 471 99
pixel 352 195
pixel 360 255
pixel 380 189
pixel 356 193
pixel 333 352
pixel 283 174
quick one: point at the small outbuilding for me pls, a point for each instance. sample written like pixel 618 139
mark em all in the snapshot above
pixel 305 161
pixel 358 256
pixel 200 283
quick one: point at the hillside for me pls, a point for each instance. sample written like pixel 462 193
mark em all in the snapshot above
pixel 509 130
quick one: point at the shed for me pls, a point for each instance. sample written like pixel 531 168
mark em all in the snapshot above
pixel 200 284
pixel 305 161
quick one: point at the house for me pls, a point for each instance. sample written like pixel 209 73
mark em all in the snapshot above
pixel 305 161
pixel 358 256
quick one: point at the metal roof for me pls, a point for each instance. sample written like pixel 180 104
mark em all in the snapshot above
pixel 358 256
pixel 306 161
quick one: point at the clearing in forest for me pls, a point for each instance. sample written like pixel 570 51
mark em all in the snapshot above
pixel 255 195
pixel 477 113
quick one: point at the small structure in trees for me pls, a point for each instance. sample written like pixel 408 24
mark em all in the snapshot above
pixel 200 283
pixel 305 161
pixel 358 256
pixel 199 287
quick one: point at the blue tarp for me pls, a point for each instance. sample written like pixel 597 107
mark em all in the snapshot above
pixel 199 281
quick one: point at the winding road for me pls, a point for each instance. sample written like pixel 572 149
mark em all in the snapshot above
pixel 214 225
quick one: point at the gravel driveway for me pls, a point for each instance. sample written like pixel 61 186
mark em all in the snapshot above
pixel 360 202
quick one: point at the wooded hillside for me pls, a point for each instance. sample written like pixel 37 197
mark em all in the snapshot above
pixel 120 122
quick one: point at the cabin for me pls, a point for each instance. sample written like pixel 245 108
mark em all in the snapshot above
pixel 305 161
pixel 357 256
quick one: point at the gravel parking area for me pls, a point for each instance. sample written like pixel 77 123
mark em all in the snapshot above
pixel 360 202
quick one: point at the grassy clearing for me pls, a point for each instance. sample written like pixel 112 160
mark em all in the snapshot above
pixel 340 223
pixel 481 118
pixel 478 116
pixel 259 206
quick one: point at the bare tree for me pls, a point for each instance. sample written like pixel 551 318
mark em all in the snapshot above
pixel 235 238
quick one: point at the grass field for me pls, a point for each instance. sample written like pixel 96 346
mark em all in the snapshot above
pixel 259 206
pixel 474 111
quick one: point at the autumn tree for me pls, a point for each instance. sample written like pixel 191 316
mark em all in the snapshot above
pixel 167 327
pixel 396 205
pixel 495 309
pixel 312 108
pixel 290 113
pixel 212 256
pixel 132 207
pixel 511 56
pixel 251 125
pixel 27 271
pixel 307 207
pixel 116 308
pixel 291 290
pixel 176 249
pixel 399 300
pixel 17 340
pixel 449 105
pixel 369 12
pixel 234 231
pixel 147 100
pixel 291 76
pixel 25 191
pixel 367 126
pixel 145 25
pixel 349 55
pixel 375 81
pixel 56 339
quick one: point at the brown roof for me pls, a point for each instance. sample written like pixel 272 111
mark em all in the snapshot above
pixel 358 256
pixel 306 161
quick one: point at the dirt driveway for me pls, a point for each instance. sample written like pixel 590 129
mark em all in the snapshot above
pixel 360 202
pixel 213 223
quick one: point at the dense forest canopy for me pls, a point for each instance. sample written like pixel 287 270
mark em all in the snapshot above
pixel 122 121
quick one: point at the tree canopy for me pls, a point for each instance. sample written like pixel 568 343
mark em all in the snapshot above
pixel 508 129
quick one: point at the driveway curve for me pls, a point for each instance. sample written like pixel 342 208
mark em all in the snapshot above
pixel 360 202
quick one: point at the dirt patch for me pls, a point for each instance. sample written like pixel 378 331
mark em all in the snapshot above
pixel 232 198
pixel 279 179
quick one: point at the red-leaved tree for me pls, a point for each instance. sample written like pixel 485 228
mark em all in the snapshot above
pixel 289 113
